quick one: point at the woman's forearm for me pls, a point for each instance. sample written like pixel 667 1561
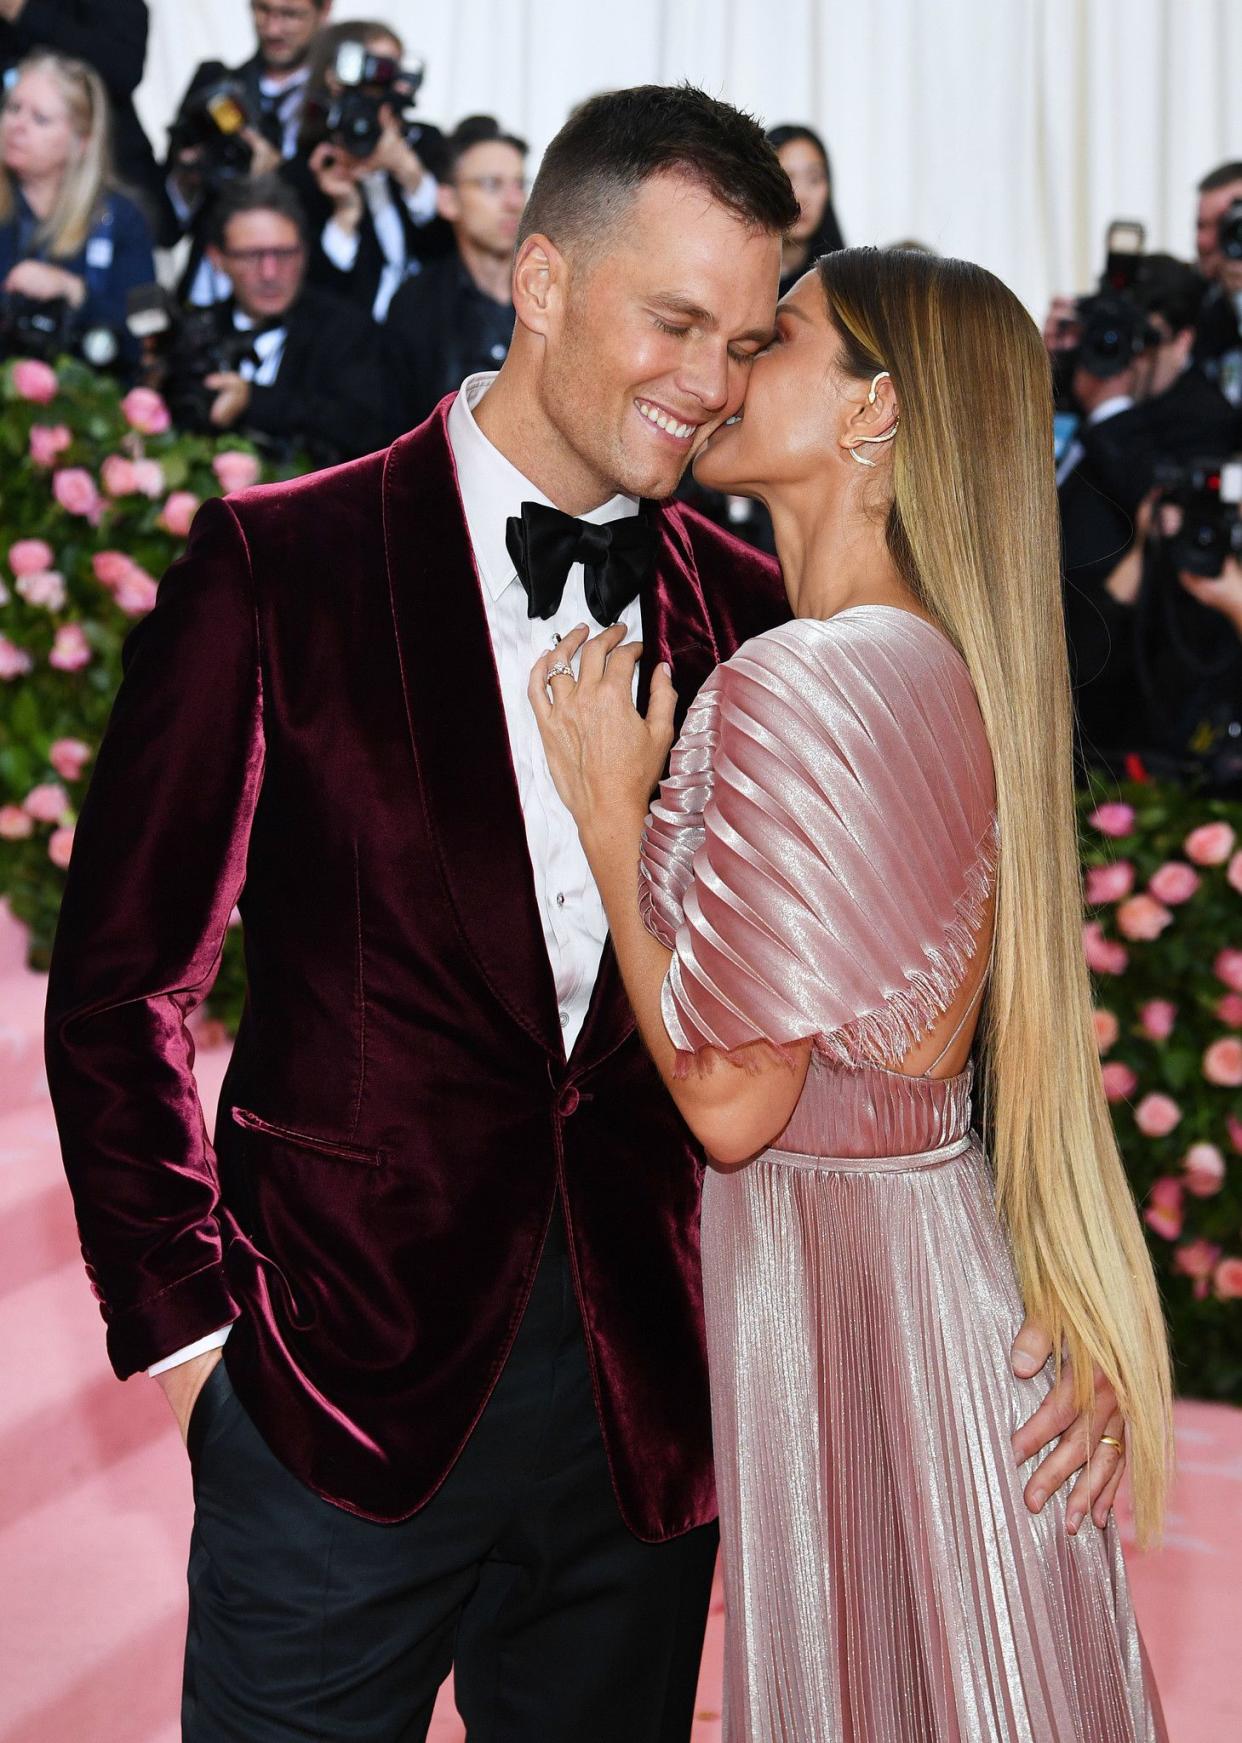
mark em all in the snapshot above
pixel 734 1112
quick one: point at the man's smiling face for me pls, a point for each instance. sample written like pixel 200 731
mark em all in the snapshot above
pixel 649 348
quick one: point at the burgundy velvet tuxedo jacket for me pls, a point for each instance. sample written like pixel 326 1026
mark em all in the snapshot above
pixel 310 725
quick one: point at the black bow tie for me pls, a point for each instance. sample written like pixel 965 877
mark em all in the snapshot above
pixel 545 544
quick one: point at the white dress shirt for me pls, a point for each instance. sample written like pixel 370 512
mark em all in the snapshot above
pixel 570 909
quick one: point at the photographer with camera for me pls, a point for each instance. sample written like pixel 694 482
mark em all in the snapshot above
pixel 287 364
pixel 111 36
pixel 237 123
pixel 1218 240
pixel 71 246
pixel 371 167
pixel 455 318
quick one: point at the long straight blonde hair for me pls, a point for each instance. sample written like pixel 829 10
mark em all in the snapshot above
pixel 87 177
pixel 974 529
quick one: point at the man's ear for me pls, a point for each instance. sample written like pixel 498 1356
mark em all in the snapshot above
pixel 216 259
pixel 539 280
pixel 448 202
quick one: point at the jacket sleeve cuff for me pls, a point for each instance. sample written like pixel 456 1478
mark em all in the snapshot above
pixel 155 1328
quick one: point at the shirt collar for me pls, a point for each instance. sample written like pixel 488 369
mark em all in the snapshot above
pixel 1109 408
pixel 492 488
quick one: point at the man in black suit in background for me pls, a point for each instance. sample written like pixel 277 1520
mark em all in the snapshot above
pixel 111 36
pixel 456 317
pixel 314 385
pixel 273 83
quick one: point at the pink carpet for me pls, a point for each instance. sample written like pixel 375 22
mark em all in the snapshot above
pixel 95 1498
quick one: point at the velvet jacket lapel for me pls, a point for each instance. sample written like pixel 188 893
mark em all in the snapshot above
pixel 457 729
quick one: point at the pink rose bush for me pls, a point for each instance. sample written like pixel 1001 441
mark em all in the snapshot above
pixel 35 381
pixel 30 557
pixel 1142 918
pixel 1120 1082
pixel 60 846
pixel 1210 844
pixel 1164 1208
pixel 1156 1019
pixel 48 442
pixel 75 491
pixel 45 588
pixel 70 650
pixel 69 756
pixel 177 515
pixel 1203 1170
pixel 146 412
pixel 1227 1279
pixel 1109 883
pixel 46 803
pixel 1107 1029
pixel 1228 969
pixel 1113 819
pixel 1157 1115
pixel 1174 883
pixel 1197 1259
pixel 235 470
pixel 15 823
pixel 1102 954
pixel 1229 1010
pixel 1222 1062
pixel 15 662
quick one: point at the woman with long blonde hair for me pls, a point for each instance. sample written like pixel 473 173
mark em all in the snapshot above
pixel 858 906
pixel 67 235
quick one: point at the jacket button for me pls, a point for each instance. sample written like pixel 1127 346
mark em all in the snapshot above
pixel 567 1102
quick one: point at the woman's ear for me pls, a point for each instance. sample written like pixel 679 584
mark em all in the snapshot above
pixel 872 416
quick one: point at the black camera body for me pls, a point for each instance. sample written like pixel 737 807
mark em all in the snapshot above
pixel 211 122
pixel 32 327
pixel 352 119
pixel 1209 495
pixel 1113 331
pixel 1229 231
pixel 189 344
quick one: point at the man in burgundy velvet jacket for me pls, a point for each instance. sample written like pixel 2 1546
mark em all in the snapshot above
pixel 463 1409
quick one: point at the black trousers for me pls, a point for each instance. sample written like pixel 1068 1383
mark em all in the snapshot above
pixel 308 1622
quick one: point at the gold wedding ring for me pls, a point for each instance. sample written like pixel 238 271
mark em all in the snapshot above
pixel 560 670
pixel 1111 1440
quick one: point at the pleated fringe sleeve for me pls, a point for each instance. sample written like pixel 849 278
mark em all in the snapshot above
pixel 820 857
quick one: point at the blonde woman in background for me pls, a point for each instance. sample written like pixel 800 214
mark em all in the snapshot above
pixel 859 888
pixel 67 235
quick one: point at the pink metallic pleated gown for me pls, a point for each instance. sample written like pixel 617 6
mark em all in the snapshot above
pixel 820 860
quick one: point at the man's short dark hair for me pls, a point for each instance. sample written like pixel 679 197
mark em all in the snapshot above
pixel 257 194
pixel 1220 177
pixel 1170 288
pixel 476 130
pixel 615 142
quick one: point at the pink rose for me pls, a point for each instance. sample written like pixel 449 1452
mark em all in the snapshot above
pixel 1197 1259
pixel 35 381
pixel 111 567
pixel 48 442
pixel 149 478
pixel 29 556
pixel 1109 883
pixel 1222 1063
pixel 60 846
pixel 178 513
pixel 1229 1010
pixel 146 412
pixel 15 662
pixel 74 489
pixel 1157 1115
pixel 1228 969
pixel 1156 1019
pixel 235 470
pixel 1228 1279
pixel 46 589
pixel 1142 917
pixel 15 825
pixel 1164 1208
pixel 1173 883
pixel 135 593
pixel 1233 1126
pixel 69 756
pixel 117 476
pixel 1234 875
pixel 1120 1082
pixel 1106 1029
pixel 46 803
pixel 71 650
pixel 1103 956
pixel 1203 1167
pixel 1113 819
pixel 1210 844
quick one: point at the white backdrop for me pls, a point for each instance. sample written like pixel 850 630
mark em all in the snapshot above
pixel 1008 131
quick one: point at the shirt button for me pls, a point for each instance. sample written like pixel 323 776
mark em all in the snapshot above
pixel 560 898
pixel 564 1019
